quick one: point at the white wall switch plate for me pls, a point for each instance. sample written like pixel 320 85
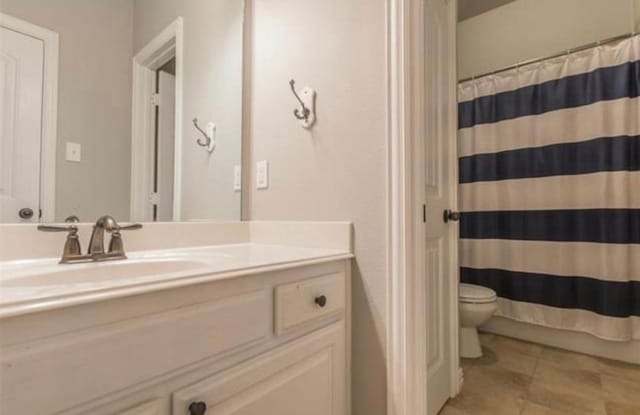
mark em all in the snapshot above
pixel 237 178
pixel 73 152
pixel 262 174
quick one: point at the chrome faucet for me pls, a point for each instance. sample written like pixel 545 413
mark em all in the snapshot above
pixel 72 251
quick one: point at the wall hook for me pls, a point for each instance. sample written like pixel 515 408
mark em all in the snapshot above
pixel 306 114
pixel 209 136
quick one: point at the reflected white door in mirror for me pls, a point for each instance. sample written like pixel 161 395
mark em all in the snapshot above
pixel 28 71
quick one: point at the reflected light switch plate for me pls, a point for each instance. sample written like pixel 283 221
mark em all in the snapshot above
pixel 262 174
pixel 73 152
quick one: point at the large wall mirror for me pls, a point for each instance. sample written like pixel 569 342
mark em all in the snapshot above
pixel 131 108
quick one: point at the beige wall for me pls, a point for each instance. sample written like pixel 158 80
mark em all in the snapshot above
pixel 213 36
pixel 337 170
pixel 529 29
pixel 94 101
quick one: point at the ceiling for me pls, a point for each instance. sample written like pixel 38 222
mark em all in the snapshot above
pixel 470 8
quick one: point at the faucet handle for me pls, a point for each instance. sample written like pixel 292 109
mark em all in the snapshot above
pixel 116 247
pixel 132 227
pixel 57 228
pixel 72 250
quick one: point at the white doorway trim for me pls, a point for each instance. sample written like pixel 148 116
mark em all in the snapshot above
pixel 406 334
pixel 49 110
pixel 165 46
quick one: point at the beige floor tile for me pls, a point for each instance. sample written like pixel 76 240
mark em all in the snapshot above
pixel 486 338
pixel 506 358
pixel 570 359
pixel 520 378
pixel 620 369
pixel 621 390
pixel 498 403
pixel 615 408
pixel 492 391
pixel 450 410
pixel 467 363
pixel 534 409
pixel 494 377
pixel 570 381
pixel 505 344
pixel 566 402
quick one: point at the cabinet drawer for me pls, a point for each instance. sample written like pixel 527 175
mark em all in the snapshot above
pixel 304 301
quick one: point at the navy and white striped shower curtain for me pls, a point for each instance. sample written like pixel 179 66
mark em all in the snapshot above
pixel 550 190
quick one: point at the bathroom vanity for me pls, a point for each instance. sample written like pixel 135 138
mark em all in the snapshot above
pixel 257 326
pixel 196 312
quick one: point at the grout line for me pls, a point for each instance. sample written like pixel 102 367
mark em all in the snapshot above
pixel 533 377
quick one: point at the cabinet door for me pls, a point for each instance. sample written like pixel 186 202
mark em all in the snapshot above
pixel 306 377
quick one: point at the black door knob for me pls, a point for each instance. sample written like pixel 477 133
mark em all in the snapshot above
pixel 197 408
pixel 321 301
pixel 450 215
pixel 25 213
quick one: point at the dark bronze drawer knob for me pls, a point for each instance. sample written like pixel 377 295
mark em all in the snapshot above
pixel 321 301
pixel 197 408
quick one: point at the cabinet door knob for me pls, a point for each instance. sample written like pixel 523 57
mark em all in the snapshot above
pixel 197 408
pixel 321 301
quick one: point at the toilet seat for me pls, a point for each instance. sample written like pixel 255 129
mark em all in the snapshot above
pixel 476 294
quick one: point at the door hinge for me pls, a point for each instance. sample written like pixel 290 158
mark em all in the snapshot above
pixel 154 198
pixel 155 99
pixel 39 213
pixel 424 213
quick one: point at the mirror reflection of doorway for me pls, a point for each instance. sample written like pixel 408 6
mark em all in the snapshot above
pixel 164 143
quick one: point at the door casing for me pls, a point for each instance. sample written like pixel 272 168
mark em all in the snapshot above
pixel 165 46
pixel 406 303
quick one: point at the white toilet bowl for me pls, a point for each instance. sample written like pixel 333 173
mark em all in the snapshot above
pixel 477 304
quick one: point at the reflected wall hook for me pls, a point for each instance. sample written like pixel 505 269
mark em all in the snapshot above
pixel 306 114
pixel 209 136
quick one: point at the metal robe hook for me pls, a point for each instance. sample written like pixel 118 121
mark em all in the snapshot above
pixel 306 113
pixel 209 136
pixel 296 112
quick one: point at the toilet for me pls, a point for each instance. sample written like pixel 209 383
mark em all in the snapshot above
pixel 477 305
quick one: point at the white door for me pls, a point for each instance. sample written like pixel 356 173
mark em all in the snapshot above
pixel 165 146
pixel 440 187
pixel 21 89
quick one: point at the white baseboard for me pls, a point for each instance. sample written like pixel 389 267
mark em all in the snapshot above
pixel 564 339
pixel 460 380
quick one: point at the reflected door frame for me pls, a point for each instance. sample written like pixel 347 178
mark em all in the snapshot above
pixel 406 118
pixel 165 46
pixel 49 110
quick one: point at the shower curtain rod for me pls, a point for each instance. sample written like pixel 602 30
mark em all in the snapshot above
pixel 557 55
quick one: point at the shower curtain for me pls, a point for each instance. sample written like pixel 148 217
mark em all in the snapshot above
pixel 550 190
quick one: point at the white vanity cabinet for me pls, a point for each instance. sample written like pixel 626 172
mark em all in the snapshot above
pixel 273 342
pixel 300 378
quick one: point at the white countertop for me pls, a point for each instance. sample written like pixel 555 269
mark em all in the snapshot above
pixel 24 289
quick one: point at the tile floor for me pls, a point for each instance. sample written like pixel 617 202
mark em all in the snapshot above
pixel 519 378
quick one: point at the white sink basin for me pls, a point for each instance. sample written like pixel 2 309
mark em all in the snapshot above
pixel 100 272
